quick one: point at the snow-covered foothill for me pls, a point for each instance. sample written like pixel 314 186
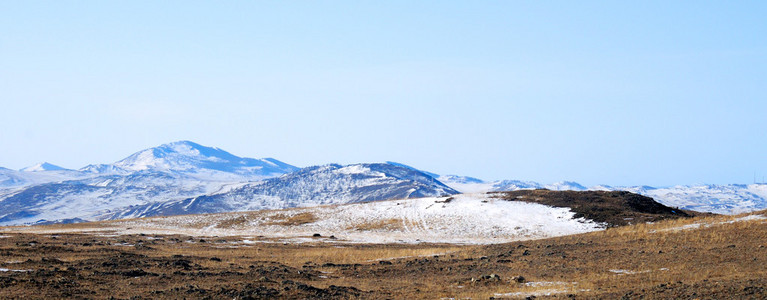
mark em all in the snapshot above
pixel 311 186
pixel 462 219
pixel 35 175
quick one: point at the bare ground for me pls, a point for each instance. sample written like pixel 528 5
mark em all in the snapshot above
pixel 710 257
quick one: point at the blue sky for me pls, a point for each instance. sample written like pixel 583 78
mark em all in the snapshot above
pixel 599 92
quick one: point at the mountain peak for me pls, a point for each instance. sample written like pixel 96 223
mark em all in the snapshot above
pixel 566 186
pixel 43 166
pixel 192 157
pixel 409 167
pixel 181 146
pixel 181 155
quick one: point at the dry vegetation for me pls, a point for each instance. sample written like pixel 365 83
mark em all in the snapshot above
pixel 387 224
pixel 292 220
pixel 703 257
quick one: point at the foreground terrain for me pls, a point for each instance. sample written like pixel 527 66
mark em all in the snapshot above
pixel 701 257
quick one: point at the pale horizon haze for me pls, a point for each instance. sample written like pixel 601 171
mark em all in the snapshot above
pixel 599 92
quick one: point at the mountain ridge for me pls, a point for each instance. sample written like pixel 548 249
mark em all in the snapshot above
pixel 186 177
pixel 43 166
pixel 310 186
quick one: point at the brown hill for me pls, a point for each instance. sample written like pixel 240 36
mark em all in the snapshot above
pixel 616 208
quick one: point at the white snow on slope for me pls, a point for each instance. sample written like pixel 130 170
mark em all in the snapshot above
pixel 97 198
pixel 19 179
pixel 466 219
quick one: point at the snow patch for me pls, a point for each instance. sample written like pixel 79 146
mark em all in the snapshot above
pixel 12 270
pixel 552 288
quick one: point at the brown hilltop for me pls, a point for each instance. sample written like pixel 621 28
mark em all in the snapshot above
pixel 615 208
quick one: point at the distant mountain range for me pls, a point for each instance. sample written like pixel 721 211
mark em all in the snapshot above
pixel 188 178
pixel 722 199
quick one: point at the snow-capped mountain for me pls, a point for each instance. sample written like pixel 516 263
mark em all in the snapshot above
pixel 513 185
pixel 565 186
pixel 12 179
pixel 312 186
pixel 456 179
pixel 185 177
pixel 165 173
pixel 43 166
pixel 104 169
pixel 200 161
pixel 98 197
pixel 722 199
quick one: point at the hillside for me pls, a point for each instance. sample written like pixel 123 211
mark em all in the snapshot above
pixel 312 186
pixel 461 219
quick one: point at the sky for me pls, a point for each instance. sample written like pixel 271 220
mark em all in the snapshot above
pixel 599 92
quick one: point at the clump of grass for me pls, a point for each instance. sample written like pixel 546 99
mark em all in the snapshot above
pixel 386 224
pixel 239 221
pixel 371 254
pixel 292 220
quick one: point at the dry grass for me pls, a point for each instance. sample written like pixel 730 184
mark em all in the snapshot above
pixel 292 220
pixel 236 222
pixel 386 224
